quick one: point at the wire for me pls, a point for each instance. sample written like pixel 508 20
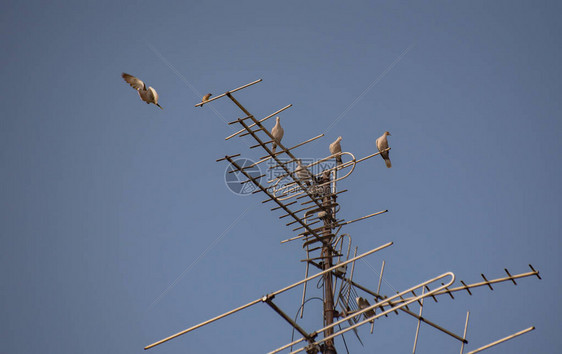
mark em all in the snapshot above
pixel 344 342
pixel 320 283
pixel 300 307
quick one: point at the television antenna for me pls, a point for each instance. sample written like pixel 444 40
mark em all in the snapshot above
pixel 313 195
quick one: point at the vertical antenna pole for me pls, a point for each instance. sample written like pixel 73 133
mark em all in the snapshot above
pixel 327 260
pixel 419 322
pixel 380 279
pixel 465 328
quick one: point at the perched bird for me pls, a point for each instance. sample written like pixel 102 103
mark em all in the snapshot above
pixel 148 95
pixel 303 174
pixel 324 179
pixel 335 148
pixel 277 133
pixel 382 144
pixel 206 98
pixel 322 187
pixel 363 304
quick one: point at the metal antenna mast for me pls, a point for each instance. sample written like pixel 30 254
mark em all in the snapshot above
pixel 328 255
pixel 314 194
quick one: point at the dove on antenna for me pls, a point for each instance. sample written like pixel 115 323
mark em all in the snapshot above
pixel 335 148
pixel 277 132
pixel 206 98
pixel 382 144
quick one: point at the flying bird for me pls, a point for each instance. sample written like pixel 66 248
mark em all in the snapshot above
pixel 277 133
pixel 382 144
pixel 206 98
pixel 335 148
pixel 302 173
pixel 148 95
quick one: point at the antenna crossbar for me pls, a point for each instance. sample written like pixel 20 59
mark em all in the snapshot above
pixel 261 120
pixel 200 104
pixel 296 146
pixel 337 224
pixel 486 283
pixel 309 337
pixel 502 340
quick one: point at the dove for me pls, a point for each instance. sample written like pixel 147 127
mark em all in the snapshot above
pixel 326 188
pixel 322 187
pixel 148 95
pixel 335 148
pixel 277 133
pixel 206 98
pixel 382 144
pixel 363 304
pixel 302 173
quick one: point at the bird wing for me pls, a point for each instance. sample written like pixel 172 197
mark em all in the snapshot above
pixel 277 132
pixel 303 173
pixel 335 147
pixel 135 83
pixel 154 94
pixel 382 143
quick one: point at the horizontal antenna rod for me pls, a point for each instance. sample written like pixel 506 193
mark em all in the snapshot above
pixel 364 217
pixel 203 323
pixel 484 283
pixel 227 92
pixel 294 147
pixel 502 340
pixel 261 120
pixel 369 156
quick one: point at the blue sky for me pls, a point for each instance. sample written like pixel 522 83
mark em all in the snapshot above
pixel 107 201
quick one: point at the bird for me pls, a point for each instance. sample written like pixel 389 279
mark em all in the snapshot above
pixel 324 179
pixel 148 95
pixel 382 144
pixel 335 148
pixel 277 133
pixel 322 187
pixel 206 98
pixel 302 173
pixel 363 304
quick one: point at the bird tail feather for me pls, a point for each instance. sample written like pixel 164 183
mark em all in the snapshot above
pixel 388 164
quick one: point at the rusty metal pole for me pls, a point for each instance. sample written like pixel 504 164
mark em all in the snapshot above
pixel 327 263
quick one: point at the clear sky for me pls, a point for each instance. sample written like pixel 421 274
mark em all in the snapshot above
pixel 107 203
